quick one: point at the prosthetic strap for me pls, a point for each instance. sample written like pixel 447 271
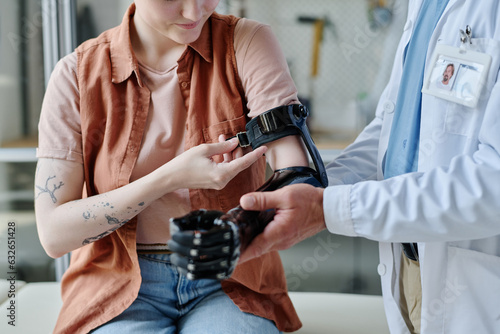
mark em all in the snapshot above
pixel 281 122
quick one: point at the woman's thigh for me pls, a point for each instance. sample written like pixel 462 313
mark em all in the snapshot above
pixel 164 297
pixel 217 313
pixel 169 303
pixel 140 317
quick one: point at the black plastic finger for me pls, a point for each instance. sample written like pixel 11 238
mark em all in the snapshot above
pixel 216 269
pixel 203 238
pixel 179 248
pixel 199 267
pixel 217 275
pixel 220 264
pixel 196 220
pixel 200 252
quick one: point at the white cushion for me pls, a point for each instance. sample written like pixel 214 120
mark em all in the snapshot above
pixel 325 312
pixel 37 306
pixel 6 288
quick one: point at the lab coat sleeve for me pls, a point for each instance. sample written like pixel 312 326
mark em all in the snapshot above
pixel 358 162
pixel 457 202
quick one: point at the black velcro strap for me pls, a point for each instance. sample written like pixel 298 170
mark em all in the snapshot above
pixel 275 124
pixel 281 122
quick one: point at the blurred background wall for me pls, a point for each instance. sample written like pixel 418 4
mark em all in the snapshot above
pixel 340 53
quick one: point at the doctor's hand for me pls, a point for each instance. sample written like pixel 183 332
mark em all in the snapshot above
pixel 201 167
pixel 299 215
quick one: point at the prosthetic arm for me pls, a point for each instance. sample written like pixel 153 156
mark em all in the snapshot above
pixel 207 244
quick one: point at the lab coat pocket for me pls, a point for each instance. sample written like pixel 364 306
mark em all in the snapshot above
pixel 462 120
pixel 472 292
pixel 459 119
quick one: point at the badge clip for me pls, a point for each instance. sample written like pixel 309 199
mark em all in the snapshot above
pixel 466 36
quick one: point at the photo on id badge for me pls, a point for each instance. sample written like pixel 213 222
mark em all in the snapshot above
pixel 457 75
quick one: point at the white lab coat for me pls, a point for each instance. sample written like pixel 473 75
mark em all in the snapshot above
pixel 450 206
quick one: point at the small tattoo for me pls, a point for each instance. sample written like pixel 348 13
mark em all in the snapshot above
pixel 111 221
pixel 141 204
pixel 100 236
pixel 115 221
pixel 47 190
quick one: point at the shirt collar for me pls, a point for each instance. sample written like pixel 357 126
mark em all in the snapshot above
pixel 203 45
pixel 123 60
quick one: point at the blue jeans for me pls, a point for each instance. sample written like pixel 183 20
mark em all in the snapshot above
pixel 170 303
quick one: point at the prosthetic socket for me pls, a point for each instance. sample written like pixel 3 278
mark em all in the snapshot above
pixel 208 244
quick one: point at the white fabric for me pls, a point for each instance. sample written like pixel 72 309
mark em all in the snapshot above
pixel 37 306
pixel 7 287
pixel 325 312
pixel 450 205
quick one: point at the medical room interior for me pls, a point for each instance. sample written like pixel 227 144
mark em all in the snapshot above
pixel 340 54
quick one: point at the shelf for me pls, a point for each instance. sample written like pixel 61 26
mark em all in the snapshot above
pixel 28 154
pixel 20 154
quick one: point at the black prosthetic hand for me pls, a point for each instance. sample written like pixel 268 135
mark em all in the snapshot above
pixel 204 245
pixel 207 244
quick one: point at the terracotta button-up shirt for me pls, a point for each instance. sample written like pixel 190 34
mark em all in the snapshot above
pixel 104 276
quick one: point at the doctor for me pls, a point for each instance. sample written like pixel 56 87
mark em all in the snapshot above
pixel 423 179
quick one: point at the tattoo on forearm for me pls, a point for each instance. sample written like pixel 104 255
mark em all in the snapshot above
pixel 111 221
pixel 46 189
pixel 100 236
pixel 115 222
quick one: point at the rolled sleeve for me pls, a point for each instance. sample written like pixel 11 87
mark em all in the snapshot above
pixel 59 130
pixel 262 67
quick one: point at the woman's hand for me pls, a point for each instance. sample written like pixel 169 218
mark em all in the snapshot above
pixel 197 167
pixel 238 152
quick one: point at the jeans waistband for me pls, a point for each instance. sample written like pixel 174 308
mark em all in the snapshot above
pixel 153 249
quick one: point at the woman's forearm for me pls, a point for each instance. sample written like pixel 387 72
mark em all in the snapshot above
pixel 67 222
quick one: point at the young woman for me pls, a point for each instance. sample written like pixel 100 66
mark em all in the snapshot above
pixel 133 132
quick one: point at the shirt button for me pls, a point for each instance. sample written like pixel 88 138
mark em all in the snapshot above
pixel 389 107
pixel 381 269
pixel 184 84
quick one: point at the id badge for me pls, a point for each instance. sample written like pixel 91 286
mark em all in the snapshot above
pixel 457 74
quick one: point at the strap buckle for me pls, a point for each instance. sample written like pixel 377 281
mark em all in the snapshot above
pixel 243 139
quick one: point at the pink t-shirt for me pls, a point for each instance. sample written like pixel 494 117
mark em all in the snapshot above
pixel 265 77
